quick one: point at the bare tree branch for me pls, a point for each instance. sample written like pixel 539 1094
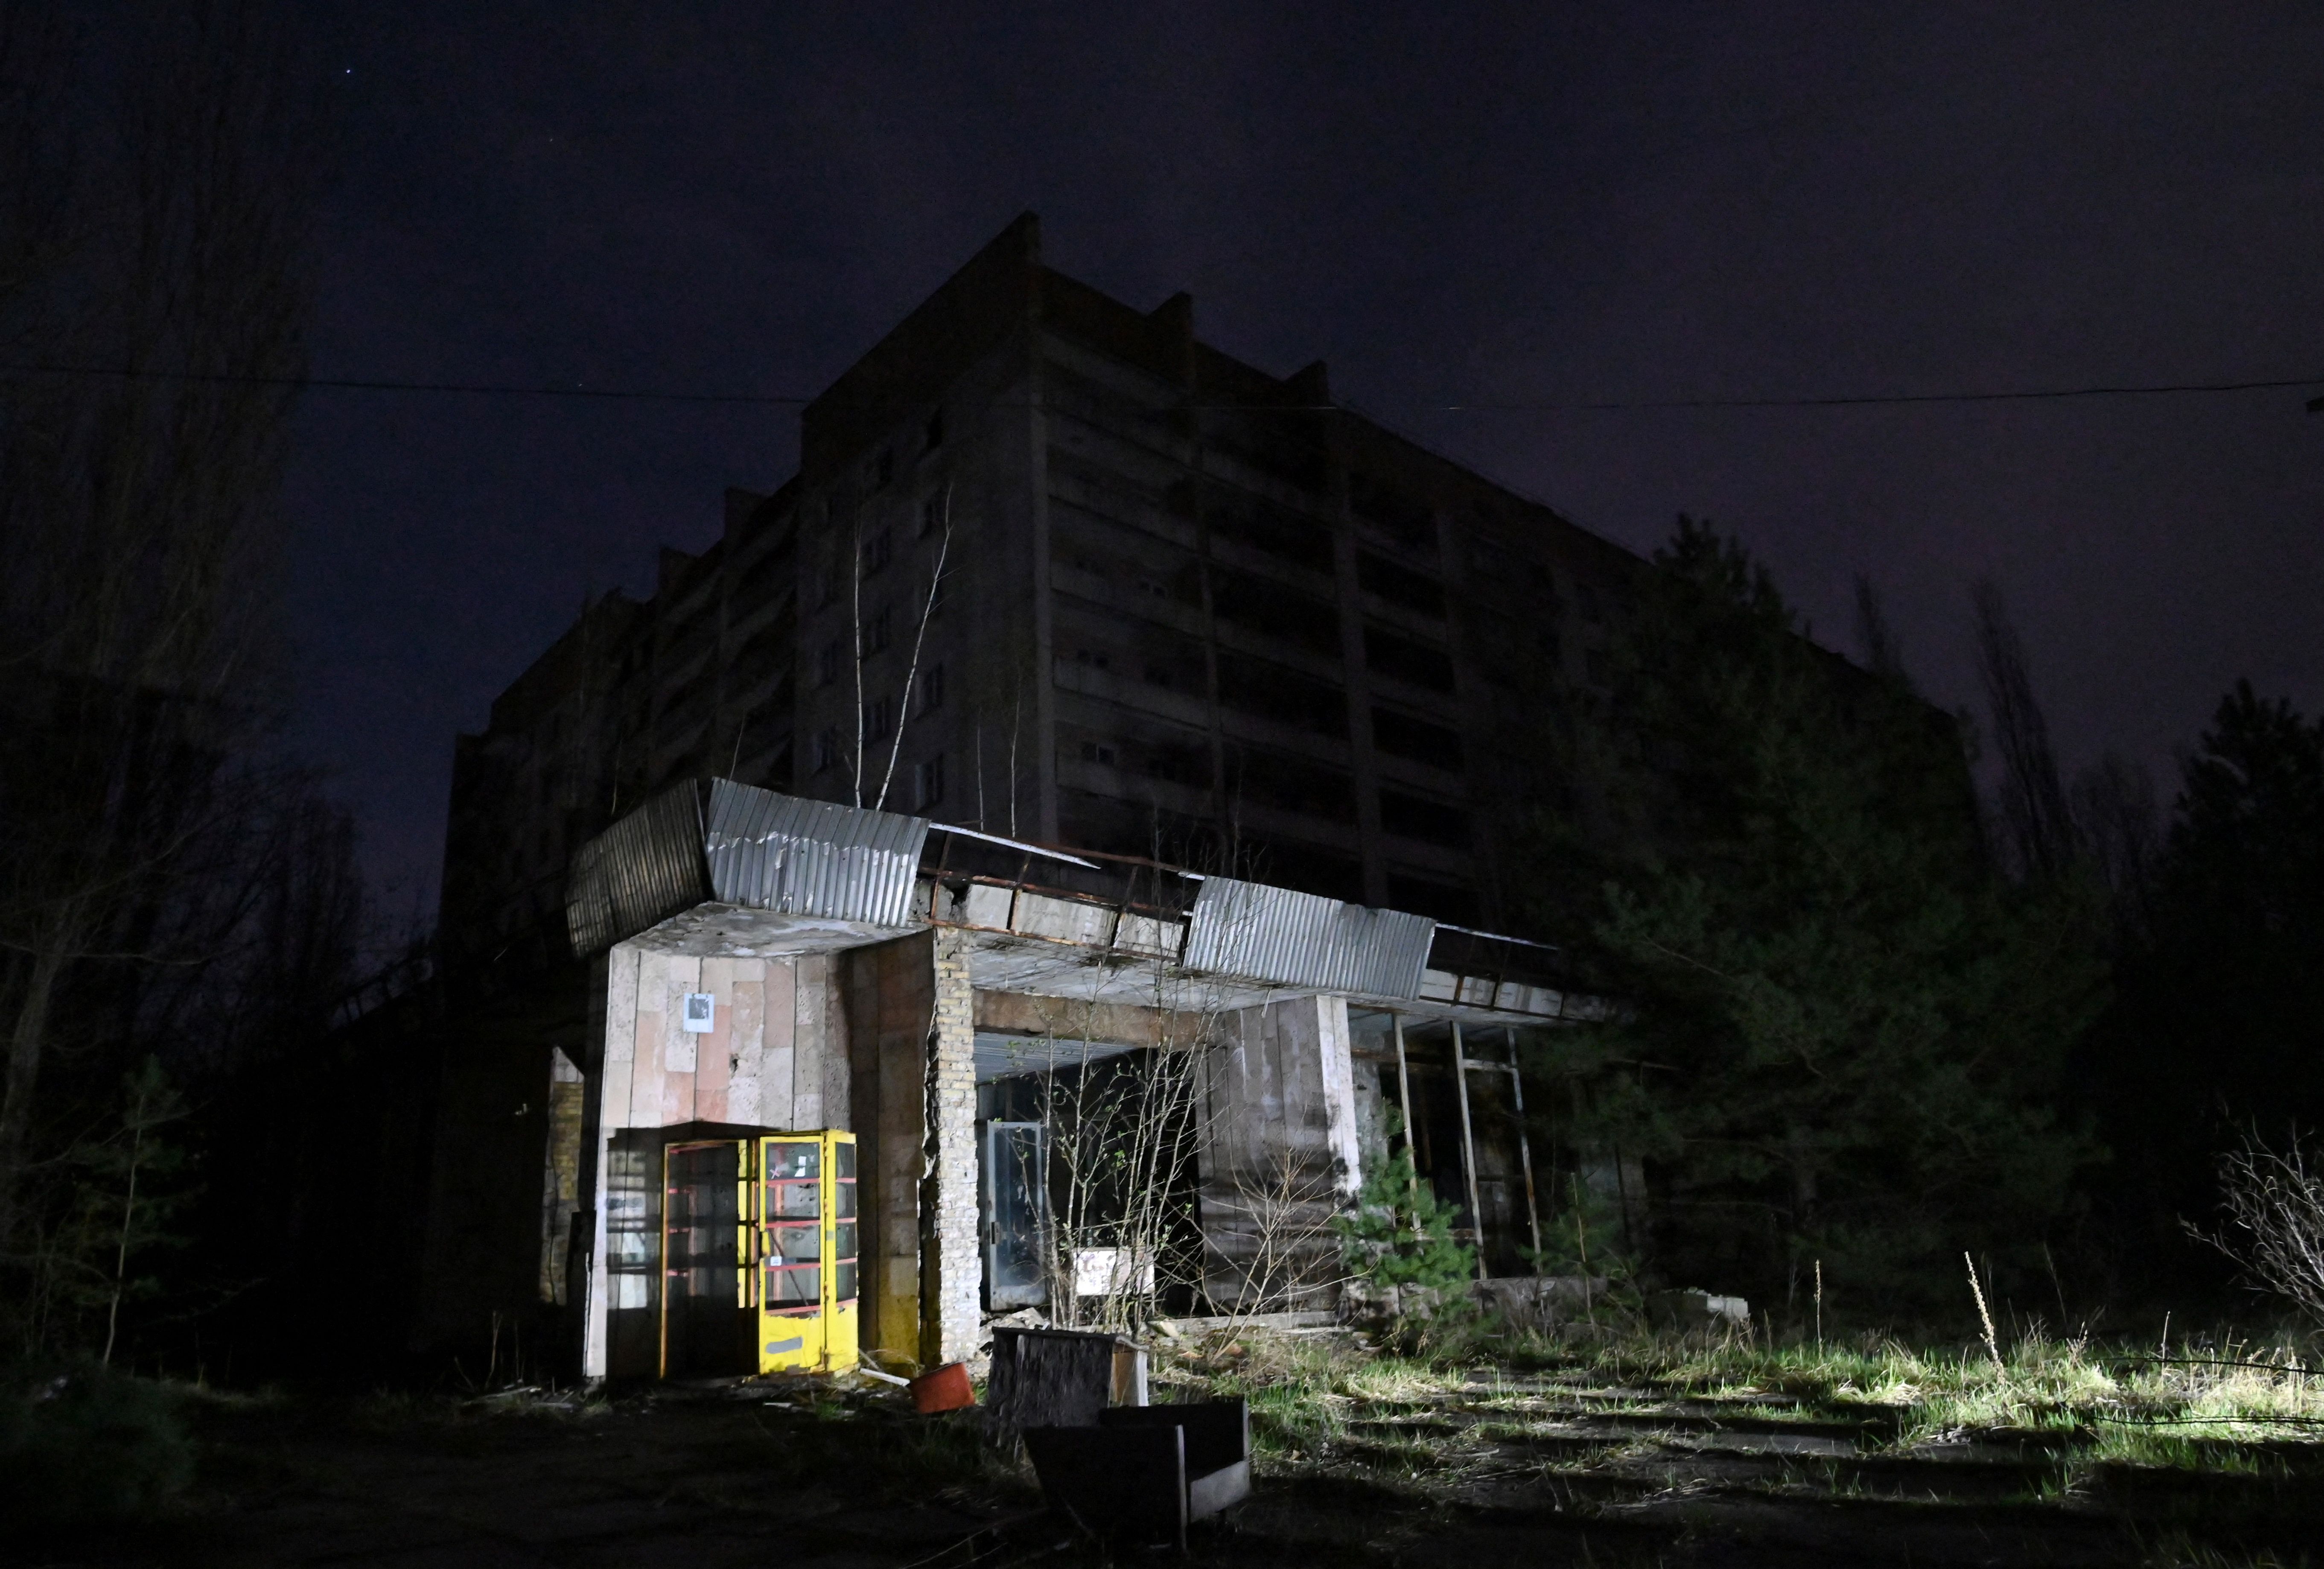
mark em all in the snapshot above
pixel 919 637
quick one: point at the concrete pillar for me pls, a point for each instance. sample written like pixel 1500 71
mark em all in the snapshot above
pixel 1280 1152
pixel 952 1271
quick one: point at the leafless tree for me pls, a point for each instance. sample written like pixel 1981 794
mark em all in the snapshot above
pixel 2120 824
pixel 157 287
pixel 2276 1200
pixel 2037 827
pixel 908 702
pixel 1288 1252
pixel 1874 636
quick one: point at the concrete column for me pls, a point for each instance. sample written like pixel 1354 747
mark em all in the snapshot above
pixel 952 1272
pixel 1280 1150
pixel 616 1067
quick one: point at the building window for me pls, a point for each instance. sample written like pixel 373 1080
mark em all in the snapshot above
pixel 879 719
pixel 876 551
pixel 935 430
pixel 1097 751
pixel 822 587
pixel 875 630
pixel 932 515
pixel 927 783
pixel 931 692
pixel 1095 659
pixel 1415 817
pixel 883 468
pixel 827 749
pixel 826 663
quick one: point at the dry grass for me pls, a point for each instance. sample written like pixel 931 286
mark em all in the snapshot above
pixel 2110 1403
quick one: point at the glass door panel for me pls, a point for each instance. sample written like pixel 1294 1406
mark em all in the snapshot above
pixel 1016 1203
pixel 841 1237
pixel 789 1215
pixel 705 1254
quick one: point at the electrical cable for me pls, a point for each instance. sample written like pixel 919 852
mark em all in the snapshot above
pixel 640 395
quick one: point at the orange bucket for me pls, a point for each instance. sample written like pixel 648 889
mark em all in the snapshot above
pixel 944 1388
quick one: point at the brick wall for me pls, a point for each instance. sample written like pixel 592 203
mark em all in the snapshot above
pixel 953 1278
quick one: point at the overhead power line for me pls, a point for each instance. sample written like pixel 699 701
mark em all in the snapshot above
pixel 656 395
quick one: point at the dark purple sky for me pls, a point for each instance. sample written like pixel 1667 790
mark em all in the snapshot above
pixel 1526 204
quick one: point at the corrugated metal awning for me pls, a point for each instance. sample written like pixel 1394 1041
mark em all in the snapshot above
pixel 714 840
pixel 795 857
pixel 646 868
pixel 1303 940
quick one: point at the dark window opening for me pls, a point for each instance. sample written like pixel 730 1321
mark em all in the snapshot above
pixel 1407 660
pixel 1291 784
pixel 1399 585
pixel 1402 735
pixel 1308 868
pixel 1274 530
pixel 1399 519
pixel 1185 765
pixel 934 436
pixel 1270 691
pixel 1444 902
pixel 1259 605
pixel 1416 817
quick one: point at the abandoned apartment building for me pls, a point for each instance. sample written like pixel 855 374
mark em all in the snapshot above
pixel 1089 702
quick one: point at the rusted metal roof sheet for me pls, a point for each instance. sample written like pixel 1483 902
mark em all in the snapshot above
pixel 646 868
pixel 1301 939
pixel 778 853
pixel 736 844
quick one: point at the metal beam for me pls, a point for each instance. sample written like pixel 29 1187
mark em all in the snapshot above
pixel 1404 1099
pixel 1525 1147
pixel 1468 1148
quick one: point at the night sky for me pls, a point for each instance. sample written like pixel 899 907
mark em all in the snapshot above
pixel 1518 205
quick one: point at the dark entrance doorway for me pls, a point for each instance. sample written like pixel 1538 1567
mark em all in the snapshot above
pixel 706 1318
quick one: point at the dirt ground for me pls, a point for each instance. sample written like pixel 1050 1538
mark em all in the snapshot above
pixel 1499 1470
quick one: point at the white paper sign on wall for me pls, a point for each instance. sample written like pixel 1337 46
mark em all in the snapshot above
pixel 701 1009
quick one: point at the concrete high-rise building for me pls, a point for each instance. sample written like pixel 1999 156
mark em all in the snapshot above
pixel 1187 611
pixel 1194 642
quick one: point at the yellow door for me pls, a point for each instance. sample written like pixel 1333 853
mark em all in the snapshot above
pixel 804 1267
pixel 839 1300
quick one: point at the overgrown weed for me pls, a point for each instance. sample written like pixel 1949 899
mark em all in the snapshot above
pixel 2109 1403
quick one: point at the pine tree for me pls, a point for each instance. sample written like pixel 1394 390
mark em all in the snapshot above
pixel 1842 1030
pixel 1400 1233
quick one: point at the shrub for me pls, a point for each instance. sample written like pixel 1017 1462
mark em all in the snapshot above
pixel 2275 1198
pixel 1399 1234
pixel 78 1441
